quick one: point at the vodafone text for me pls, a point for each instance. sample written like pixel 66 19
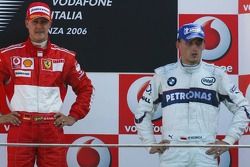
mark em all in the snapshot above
pixel 228 69
pixel 246 7
pixel 82 2
pixel 4 128
pixel 133 128
pixel 247 130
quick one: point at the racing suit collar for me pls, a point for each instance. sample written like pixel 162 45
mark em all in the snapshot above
pixel 189 69
pixel 41 44
pixel 36 51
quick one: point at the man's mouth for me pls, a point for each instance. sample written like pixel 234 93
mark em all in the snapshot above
pixel 39 32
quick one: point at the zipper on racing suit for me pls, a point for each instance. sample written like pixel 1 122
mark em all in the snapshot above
pixel 38 61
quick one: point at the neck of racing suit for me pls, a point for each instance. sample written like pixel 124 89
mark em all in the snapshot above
pixel 42 45
pixel 36 51
pixel 189 68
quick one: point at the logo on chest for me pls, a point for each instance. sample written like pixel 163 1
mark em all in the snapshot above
pixel 47 64
pixel 171 81
pixel 22 73
pixel 23 63
pixel 208 81
pixel 52 64
pixel 198 95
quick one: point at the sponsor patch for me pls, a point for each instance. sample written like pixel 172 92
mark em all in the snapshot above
pixel 234 89
pixel 58 64
pixel 27 63
pixel 52 64
pixel 16 62
pixel 198 95
pixel 41 9
pixel 22 73
pixel 79 70
pixel 78 67
pixel 23 63
pixel 208 81
pixel 149 89
pixel 171 81
pixel 47 64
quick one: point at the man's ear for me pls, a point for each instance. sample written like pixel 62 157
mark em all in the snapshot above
pixel 50 24
pixel 26 23
pixel 177 43
pixel 203 45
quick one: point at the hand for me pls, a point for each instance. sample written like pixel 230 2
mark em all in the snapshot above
pixel 11 118
pixel 159 149
pixel 217 151
pixel 63 120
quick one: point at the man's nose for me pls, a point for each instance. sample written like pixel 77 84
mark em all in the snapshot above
pixel 39 24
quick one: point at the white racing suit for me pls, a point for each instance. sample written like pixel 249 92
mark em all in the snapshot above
pixel 190 99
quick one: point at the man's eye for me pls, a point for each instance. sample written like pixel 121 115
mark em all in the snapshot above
pixel 198 43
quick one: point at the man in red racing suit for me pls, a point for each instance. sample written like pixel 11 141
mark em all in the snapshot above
pixel 34 76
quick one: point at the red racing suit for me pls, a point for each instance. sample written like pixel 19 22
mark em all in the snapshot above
pixel 35 82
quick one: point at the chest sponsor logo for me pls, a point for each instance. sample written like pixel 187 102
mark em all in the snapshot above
pixel 22 73
pixel 208 81
pixel 199 95
pixel 171 81
pixel 23 63
pixel 47 64
pixel 52 64
pixel 16 62
pixel 27 63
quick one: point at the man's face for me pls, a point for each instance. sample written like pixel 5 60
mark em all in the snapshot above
pixel 38 29
pixel 190 51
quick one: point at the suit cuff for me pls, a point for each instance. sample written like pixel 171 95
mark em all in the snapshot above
pixel 230 140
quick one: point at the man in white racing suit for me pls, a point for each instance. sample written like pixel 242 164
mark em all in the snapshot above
pixel 190 92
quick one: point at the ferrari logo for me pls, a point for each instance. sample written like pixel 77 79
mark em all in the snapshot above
pixel 47 64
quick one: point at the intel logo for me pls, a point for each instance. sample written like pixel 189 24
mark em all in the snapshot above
pixel 208 81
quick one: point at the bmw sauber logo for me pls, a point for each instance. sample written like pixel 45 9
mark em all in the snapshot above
pixel 171 81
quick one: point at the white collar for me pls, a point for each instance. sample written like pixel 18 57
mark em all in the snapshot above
pixel 42 45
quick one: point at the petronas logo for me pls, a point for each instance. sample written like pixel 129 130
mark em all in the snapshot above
pixel 7 11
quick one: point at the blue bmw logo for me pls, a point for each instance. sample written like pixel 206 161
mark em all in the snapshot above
pixel 171 81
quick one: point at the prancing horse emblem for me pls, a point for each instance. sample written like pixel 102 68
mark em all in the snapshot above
pixel 47 64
